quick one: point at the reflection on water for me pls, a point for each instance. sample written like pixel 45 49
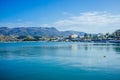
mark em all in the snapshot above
pixel 33 50
pixel 101 57
pixel 77 53
pixel 74 47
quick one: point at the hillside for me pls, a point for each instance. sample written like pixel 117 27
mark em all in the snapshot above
pixel 36 31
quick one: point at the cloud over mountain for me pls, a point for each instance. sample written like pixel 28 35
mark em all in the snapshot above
pixel 90 22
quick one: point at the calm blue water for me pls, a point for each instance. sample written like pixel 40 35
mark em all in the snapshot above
pixel 59 61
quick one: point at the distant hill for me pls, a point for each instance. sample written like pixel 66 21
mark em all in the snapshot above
pixel 67 33
pixel 36 31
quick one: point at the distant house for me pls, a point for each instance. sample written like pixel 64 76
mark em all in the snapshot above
pixel 117 34
pixel 73 36
pixel 100 35
pixel 81 36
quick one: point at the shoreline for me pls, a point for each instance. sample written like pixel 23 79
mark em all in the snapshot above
pixel 109 41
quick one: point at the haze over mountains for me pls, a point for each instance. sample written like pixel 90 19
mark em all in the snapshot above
pixel 36 31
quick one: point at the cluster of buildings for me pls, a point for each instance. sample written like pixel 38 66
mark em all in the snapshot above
pixel 114 37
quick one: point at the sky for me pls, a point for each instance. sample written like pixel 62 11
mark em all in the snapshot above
pixel 91 16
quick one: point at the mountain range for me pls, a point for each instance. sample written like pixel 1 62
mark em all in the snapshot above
pixel 36 31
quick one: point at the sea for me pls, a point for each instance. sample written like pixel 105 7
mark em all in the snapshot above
pixel 59 61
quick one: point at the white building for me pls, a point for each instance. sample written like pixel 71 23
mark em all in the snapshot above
pixel 74 36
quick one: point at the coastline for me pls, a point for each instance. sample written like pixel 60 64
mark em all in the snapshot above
pixel 109 41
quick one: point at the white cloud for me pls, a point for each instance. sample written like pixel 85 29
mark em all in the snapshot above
pixel 90 22
pixel 45 25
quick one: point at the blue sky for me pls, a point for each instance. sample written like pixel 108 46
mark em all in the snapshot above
pixel 91 16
